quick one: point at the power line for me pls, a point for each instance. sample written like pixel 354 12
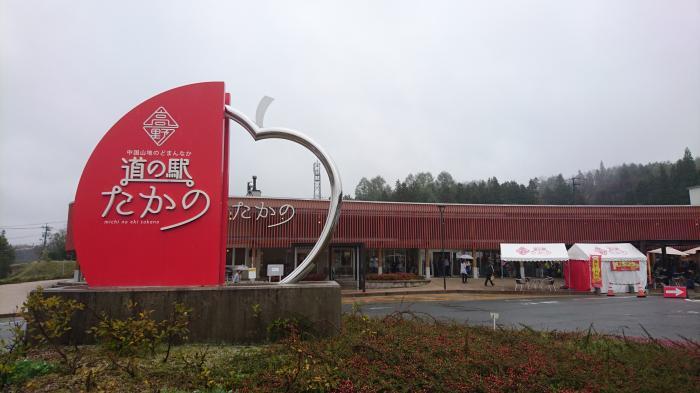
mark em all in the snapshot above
pixel 21 237
pixel 39 224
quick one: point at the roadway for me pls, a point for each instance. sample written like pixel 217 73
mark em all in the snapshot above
pixel 662 318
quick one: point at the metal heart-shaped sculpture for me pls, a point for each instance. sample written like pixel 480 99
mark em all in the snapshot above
pixel 333 177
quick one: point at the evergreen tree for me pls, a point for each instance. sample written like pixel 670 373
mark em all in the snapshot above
pixel 373 190
pixel 685 174
pixel 7 255
pixel 445 188
pixel 660 183
pixel 56 248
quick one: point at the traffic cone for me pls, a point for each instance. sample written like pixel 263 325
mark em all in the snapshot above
pixel 610 291
pixel 641 292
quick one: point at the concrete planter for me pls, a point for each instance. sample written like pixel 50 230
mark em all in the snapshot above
pixel 231 314
pixel 383 284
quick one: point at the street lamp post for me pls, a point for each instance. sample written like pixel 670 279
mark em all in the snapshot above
pixel 442 241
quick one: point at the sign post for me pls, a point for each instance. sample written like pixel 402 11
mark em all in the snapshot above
pixel 494 317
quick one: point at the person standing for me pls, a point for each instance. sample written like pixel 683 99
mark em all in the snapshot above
pixel 463 271
pixel 489 274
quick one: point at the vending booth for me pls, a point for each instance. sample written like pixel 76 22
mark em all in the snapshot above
pixel 617 266
pixel 529 253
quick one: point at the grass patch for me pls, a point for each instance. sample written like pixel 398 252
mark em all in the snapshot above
pixel 41 270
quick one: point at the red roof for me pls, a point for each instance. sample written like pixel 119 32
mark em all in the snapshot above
pixel 417 225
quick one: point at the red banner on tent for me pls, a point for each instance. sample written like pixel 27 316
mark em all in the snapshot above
pixel 596 271
pixel 624 266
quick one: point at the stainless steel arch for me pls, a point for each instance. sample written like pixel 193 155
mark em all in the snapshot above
pixel 333 176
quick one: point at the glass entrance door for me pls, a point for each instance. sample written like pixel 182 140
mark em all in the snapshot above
pixel 344 263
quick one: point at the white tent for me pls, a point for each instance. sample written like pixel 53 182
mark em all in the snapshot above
pixel 610 254
pixel 692 251
pixel 670 251
pixel 519 252
pixel 534 252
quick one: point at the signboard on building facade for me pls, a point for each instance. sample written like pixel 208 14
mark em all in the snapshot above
pixel 151 205
pixel 596 271
pixel 624 266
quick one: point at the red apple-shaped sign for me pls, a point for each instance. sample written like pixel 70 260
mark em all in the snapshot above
pixel 151 205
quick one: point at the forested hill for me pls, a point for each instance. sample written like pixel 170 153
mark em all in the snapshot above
pixel 659 183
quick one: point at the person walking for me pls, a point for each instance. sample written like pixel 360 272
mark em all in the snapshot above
pixel 489 274
pixel 463 271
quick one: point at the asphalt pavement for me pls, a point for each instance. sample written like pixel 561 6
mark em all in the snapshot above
pixel 662 318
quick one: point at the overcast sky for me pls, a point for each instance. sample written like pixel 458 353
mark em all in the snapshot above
pixel 512 89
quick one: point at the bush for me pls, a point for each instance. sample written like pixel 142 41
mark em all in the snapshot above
pixel 126 340
pixel 48 321
pixel 394 277
pixel 407 352
pixel 10 352
pixel 283 328
pixel 23 370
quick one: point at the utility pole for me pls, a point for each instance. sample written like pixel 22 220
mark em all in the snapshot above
pixel 317 180
pixel 442 240
pixel 575 181
pixel 47 229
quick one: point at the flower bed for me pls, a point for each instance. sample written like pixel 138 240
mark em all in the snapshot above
pixel 393 277
pixel 394 280
pixel 402 352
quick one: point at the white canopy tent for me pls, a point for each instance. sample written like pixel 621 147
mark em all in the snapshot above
pixel 670 251
pixel 528 252
pixel 618 280
pixel 692 251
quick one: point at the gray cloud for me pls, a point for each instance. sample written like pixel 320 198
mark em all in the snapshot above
pixel 508 88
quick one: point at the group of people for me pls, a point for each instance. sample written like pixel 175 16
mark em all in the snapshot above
pixel 465 269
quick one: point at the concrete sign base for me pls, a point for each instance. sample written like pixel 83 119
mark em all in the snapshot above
pixel 225 314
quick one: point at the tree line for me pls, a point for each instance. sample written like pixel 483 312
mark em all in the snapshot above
pixel 55 250
pixel 658 183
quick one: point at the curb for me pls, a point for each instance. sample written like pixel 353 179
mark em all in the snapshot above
pixel 12 315
pixel 476 292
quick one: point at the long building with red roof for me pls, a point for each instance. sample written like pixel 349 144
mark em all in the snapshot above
pixel 381 237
